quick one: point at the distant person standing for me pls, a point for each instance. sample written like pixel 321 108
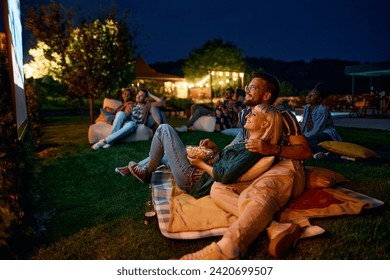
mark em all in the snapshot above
pixel 317 123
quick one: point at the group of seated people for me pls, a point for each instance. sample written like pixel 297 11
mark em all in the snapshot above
pixel 225 112
pixel 145 109
pixel 266 132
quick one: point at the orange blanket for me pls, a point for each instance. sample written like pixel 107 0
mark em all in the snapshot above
pixel 190 214
pixel 326 202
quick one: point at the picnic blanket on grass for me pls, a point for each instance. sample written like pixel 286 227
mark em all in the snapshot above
pixel 162 190
pixel 181 216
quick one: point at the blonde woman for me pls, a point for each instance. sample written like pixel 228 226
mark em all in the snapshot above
pixel 264 122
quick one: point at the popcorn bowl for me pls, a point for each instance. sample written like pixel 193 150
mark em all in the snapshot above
pixel 199 151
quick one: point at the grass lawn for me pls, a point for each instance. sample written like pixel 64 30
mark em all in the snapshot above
pixel 87 211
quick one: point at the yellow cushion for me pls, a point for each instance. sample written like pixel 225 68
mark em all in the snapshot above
pixel 348 149
pixel 259 168
pixel 317 177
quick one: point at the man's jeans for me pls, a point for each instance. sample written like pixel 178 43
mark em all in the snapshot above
pixel 120 128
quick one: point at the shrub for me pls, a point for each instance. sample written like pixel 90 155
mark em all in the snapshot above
pixel 16 162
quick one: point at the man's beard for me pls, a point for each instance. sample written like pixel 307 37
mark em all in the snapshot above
pixel 250 103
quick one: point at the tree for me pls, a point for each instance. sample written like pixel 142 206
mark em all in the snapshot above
pixel 94 59
pixel 214 55
pixel 286 89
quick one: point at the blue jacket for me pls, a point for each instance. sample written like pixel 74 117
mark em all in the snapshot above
pixel 323 122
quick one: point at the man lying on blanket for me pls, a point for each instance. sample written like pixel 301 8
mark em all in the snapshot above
pixel 255 202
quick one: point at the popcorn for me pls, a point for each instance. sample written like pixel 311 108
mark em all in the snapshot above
pixel 199 151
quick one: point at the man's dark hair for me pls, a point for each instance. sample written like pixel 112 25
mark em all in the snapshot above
pixel 230 89
pixel 130 90
pixel 127 89
pixel 272 84
pixel 322 90
pixel 145 91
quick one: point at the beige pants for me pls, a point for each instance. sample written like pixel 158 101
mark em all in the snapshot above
pixel 256 202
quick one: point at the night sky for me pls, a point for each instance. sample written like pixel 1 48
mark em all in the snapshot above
pixel 280 29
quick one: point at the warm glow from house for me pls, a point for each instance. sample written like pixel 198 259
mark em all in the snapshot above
pixel 215 82
pixel 181 89
pixel 203 81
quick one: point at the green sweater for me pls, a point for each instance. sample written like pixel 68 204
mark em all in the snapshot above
pixel 232 162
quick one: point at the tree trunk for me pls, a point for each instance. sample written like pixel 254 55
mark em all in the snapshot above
pixel 91 116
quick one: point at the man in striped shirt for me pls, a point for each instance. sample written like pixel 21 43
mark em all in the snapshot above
pixel 256 202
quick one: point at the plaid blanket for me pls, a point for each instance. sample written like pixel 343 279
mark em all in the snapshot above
pixel 162 187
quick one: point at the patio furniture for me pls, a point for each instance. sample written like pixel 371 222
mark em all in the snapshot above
pixel 371 104
pixel 353 110
pixel 375 105
pixel 385 108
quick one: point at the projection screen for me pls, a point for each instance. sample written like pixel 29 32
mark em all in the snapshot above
pixel 13 31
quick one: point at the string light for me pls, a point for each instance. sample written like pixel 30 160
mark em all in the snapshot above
pixel 206 80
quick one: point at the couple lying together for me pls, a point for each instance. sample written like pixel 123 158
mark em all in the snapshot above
pixel 267 132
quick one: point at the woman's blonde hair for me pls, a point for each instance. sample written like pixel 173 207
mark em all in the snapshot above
pixel 273 116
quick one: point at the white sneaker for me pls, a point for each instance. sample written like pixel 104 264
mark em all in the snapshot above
pixel 99 144
pixel 320 155
pixel 182 128
pixel 106 146
pixel 123 170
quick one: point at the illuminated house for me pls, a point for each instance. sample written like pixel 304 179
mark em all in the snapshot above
pixel 159 82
